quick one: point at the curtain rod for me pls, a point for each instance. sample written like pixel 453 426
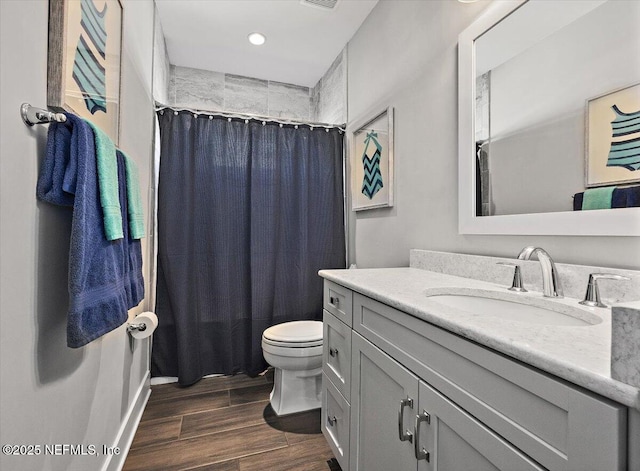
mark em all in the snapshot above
pixel 161 107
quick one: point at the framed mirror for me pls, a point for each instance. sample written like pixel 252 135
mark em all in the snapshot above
pixel 539 85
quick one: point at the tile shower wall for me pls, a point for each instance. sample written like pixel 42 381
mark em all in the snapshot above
pixel 329 96
pixel 217 91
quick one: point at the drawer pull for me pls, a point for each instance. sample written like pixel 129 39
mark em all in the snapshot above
pixel 331 420
pixel 333 352
pixel 334 301
pixel 420 452
pixel 403 434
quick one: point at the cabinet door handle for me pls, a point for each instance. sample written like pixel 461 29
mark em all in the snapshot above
pixel 403 434
pixel 331 420
pixel 333 352
pixel 335 301
pixel 421 452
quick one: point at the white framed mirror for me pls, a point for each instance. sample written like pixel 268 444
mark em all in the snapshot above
pixel 528 71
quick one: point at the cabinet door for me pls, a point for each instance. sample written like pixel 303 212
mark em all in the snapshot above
pixel 452 440
pixel 383 400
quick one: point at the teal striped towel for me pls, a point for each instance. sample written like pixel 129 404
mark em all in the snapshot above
pixel 108 184
pixel 598 198
pixel 134 198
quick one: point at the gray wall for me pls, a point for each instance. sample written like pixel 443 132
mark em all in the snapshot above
pixel 405 55
pixel 540 168
pixel 51 394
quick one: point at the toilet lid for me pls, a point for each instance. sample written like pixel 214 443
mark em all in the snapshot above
pixel 296 333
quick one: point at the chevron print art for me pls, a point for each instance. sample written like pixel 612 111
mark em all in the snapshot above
pixel 89 64
pixel 372 180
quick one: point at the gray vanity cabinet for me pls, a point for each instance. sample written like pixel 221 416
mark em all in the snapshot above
pixel 391 409
pixel 470 408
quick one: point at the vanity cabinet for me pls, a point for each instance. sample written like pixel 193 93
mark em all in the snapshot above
pixel 336 370
pixel 467 406
pixel 402 423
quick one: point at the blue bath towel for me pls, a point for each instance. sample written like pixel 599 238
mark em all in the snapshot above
pixel 105 277
pixel 626 197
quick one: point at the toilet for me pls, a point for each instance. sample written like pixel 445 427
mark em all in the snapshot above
pixel 294 349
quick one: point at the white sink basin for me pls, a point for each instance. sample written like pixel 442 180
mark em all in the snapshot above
pixel 488 303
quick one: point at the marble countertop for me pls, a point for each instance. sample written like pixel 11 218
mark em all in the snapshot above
pixel 580 355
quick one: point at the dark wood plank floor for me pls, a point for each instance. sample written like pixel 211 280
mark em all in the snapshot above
pixel 226 424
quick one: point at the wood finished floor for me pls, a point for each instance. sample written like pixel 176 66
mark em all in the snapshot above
pixel 225 424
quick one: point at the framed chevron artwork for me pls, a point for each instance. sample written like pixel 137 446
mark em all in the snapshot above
pixel 371 161
pixel 613 138
pixel 85 41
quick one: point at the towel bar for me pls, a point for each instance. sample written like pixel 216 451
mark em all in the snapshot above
pixel 32 115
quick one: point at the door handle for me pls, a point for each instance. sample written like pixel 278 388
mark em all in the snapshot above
pixel 421 452
pixel 403 434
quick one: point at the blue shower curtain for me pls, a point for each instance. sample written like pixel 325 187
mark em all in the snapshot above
pixel 248 212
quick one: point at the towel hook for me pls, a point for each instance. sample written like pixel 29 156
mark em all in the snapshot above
pixel 32 115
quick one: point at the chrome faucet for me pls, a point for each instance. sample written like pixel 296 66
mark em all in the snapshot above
pixel 550 281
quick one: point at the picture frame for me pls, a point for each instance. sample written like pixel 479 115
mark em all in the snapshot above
pixel 608 159
pixel 371 161
pixel 84 60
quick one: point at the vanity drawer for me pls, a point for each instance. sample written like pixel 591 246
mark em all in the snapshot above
pixel 336 353
pixel 338 301
pixel 557 424
pixel 335 419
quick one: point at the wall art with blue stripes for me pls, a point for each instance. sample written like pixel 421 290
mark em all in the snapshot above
pixel 613 138
pixel 372 161
pixel 85 40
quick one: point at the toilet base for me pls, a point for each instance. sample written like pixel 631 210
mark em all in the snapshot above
pixel 296 391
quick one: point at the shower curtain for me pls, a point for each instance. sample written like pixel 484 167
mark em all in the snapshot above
pixel 248 212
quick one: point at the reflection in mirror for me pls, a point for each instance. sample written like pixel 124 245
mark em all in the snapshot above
pixel 550 80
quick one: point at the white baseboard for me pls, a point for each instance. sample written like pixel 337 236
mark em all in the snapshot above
pixel 163 380
pixel 174 379
pixel 129 426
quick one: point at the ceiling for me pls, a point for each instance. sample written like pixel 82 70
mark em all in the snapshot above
pixel 302 41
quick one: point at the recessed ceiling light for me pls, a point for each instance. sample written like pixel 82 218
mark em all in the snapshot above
pixel 467 1
pixel 257 39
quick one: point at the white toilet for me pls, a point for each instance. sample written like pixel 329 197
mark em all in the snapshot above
pixel 294 349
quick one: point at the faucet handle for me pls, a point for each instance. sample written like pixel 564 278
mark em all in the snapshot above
pixel 516 284
pixel 592 296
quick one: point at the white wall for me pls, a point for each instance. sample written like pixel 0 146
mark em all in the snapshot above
pixel 161 70
pixel 49 393
pixel 405 55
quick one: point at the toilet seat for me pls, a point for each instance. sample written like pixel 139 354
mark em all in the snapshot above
pixel 314 343
pixel 295 334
